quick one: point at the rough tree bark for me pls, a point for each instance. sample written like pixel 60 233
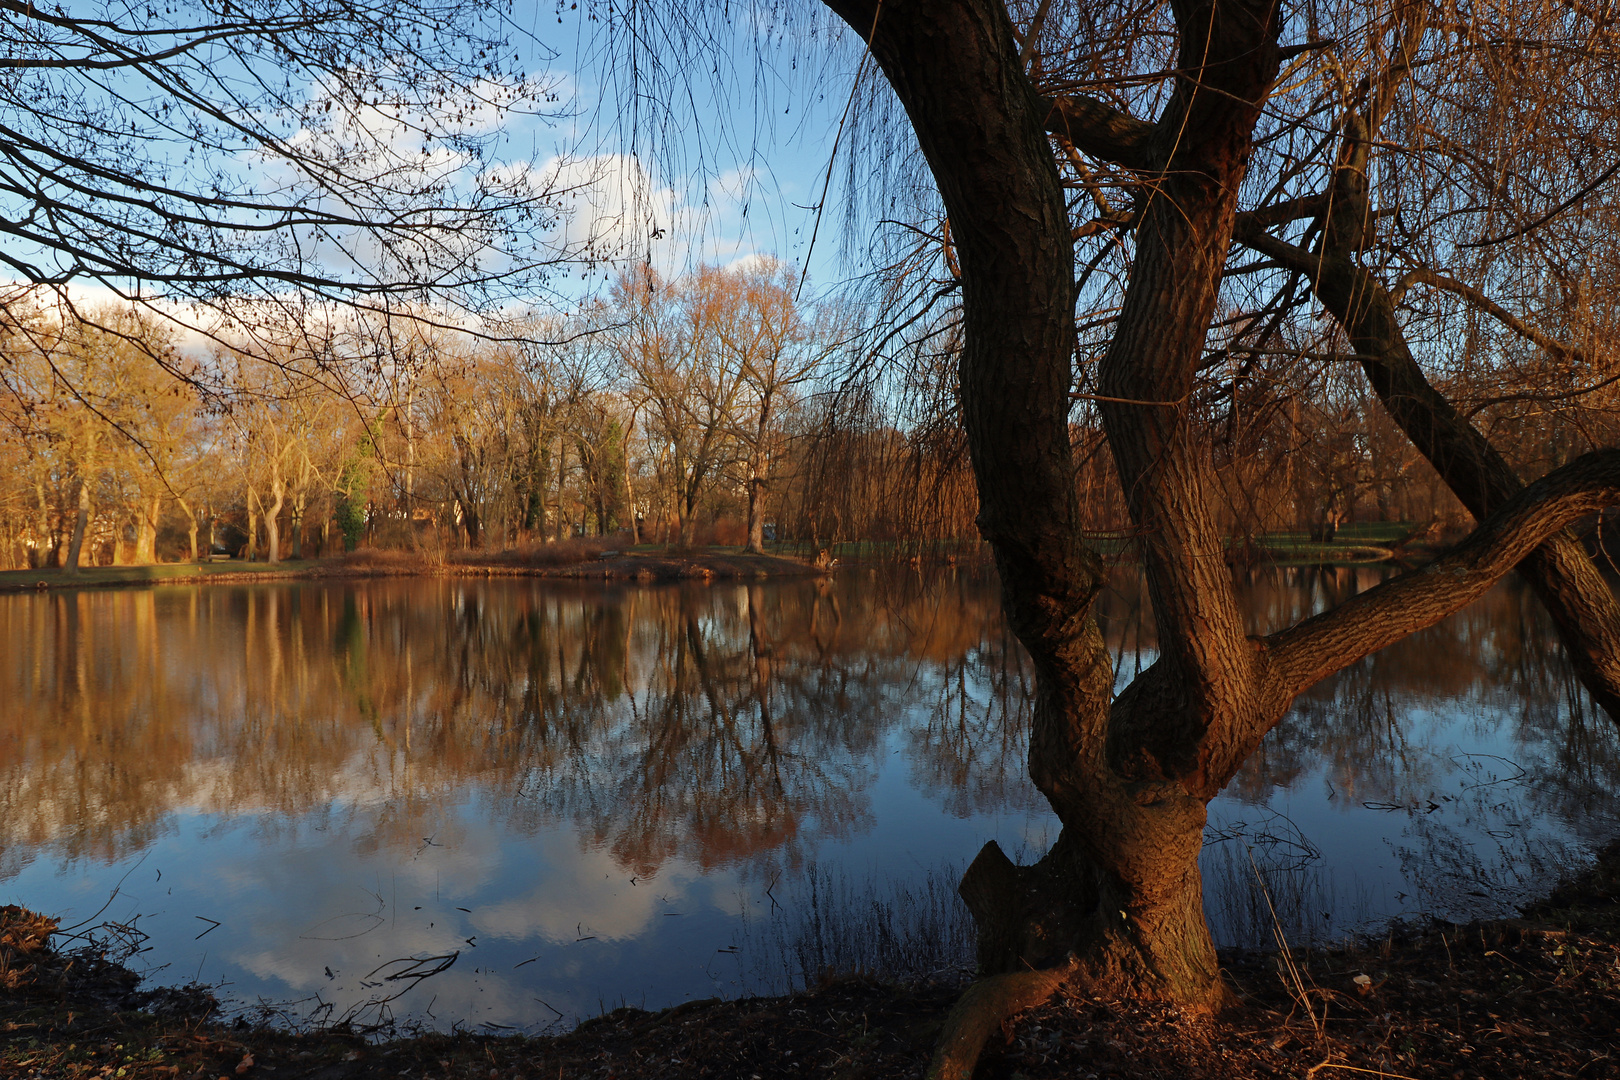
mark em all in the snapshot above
pixel 149 513
pixel 1116 904
pixel 1120 889
pixel 759 468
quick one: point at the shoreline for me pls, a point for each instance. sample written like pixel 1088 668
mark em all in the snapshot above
pixel 1533 996
pixel 645 567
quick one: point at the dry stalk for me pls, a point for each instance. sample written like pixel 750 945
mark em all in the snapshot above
pixel 1293 981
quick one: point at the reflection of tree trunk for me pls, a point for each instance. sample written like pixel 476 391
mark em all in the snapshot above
pixel 81 521
pixel 763 651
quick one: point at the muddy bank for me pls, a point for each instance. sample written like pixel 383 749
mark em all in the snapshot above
pixel 1532 997
pixel 685 566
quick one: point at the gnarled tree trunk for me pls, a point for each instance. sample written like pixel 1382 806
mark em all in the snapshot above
pixel 1130 782
pixel 1117 902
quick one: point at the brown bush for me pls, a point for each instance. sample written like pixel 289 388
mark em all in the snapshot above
pixel 726 532
pixel 379 559
pixel 24 935
pixel 553 553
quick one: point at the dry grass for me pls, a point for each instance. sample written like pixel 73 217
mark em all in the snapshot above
pixel 24 935
pixel 372 562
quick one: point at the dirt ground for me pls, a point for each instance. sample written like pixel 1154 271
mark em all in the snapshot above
pixel 1532 997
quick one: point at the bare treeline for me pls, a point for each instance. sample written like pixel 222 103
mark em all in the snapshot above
pixel 701 408
pixel 711 407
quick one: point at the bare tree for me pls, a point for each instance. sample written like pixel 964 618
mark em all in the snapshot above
pixel 1028 118
pixel 340 148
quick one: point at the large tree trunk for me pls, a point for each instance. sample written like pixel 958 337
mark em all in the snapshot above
pixel 758 480
pixel 191 525
pixel 756 513
pixel 251 552
pixel 687 508
pixel 1120 890
pixel 150 512
pixel 1117 901
pixel 81 522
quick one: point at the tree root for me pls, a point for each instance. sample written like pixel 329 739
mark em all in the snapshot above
pixel 982 1010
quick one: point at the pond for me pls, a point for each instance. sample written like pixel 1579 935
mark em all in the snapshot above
pixel 514 804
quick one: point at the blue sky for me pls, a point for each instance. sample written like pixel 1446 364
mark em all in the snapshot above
pixel 728 171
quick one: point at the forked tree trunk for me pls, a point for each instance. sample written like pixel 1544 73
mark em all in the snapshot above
pixel 1120 891
pixel 1117 902
pixel 686 503
pixel 1130 912
pixel 1129 779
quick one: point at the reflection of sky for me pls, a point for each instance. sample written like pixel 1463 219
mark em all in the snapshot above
pixel 541 921
pixel 1377 798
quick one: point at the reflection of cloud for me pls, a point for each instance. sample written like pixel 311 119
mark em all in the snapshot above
pixel 580 889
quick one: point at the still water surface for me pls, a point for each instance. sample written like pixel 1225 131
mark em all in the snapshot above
pixel 518 803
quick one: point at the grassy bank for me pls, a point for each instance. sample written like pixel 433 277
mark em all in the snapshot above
pixel 577 560
pixel 1531 997
pixel 587 558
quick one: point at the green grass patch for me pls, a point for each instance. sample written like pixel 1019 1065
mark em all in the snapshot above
pixel 93 576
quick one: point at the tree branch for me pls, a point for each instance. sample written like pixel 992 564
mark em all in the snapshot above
pixel 1309 651
pixel 1575 594
pixel 1487 305
pixel 1101 130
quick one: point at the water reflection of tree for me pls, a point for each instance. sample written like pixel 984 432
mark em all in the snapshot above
pixel 1472 825
pixel 969 753
pixel 715 724
pixel 724 724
